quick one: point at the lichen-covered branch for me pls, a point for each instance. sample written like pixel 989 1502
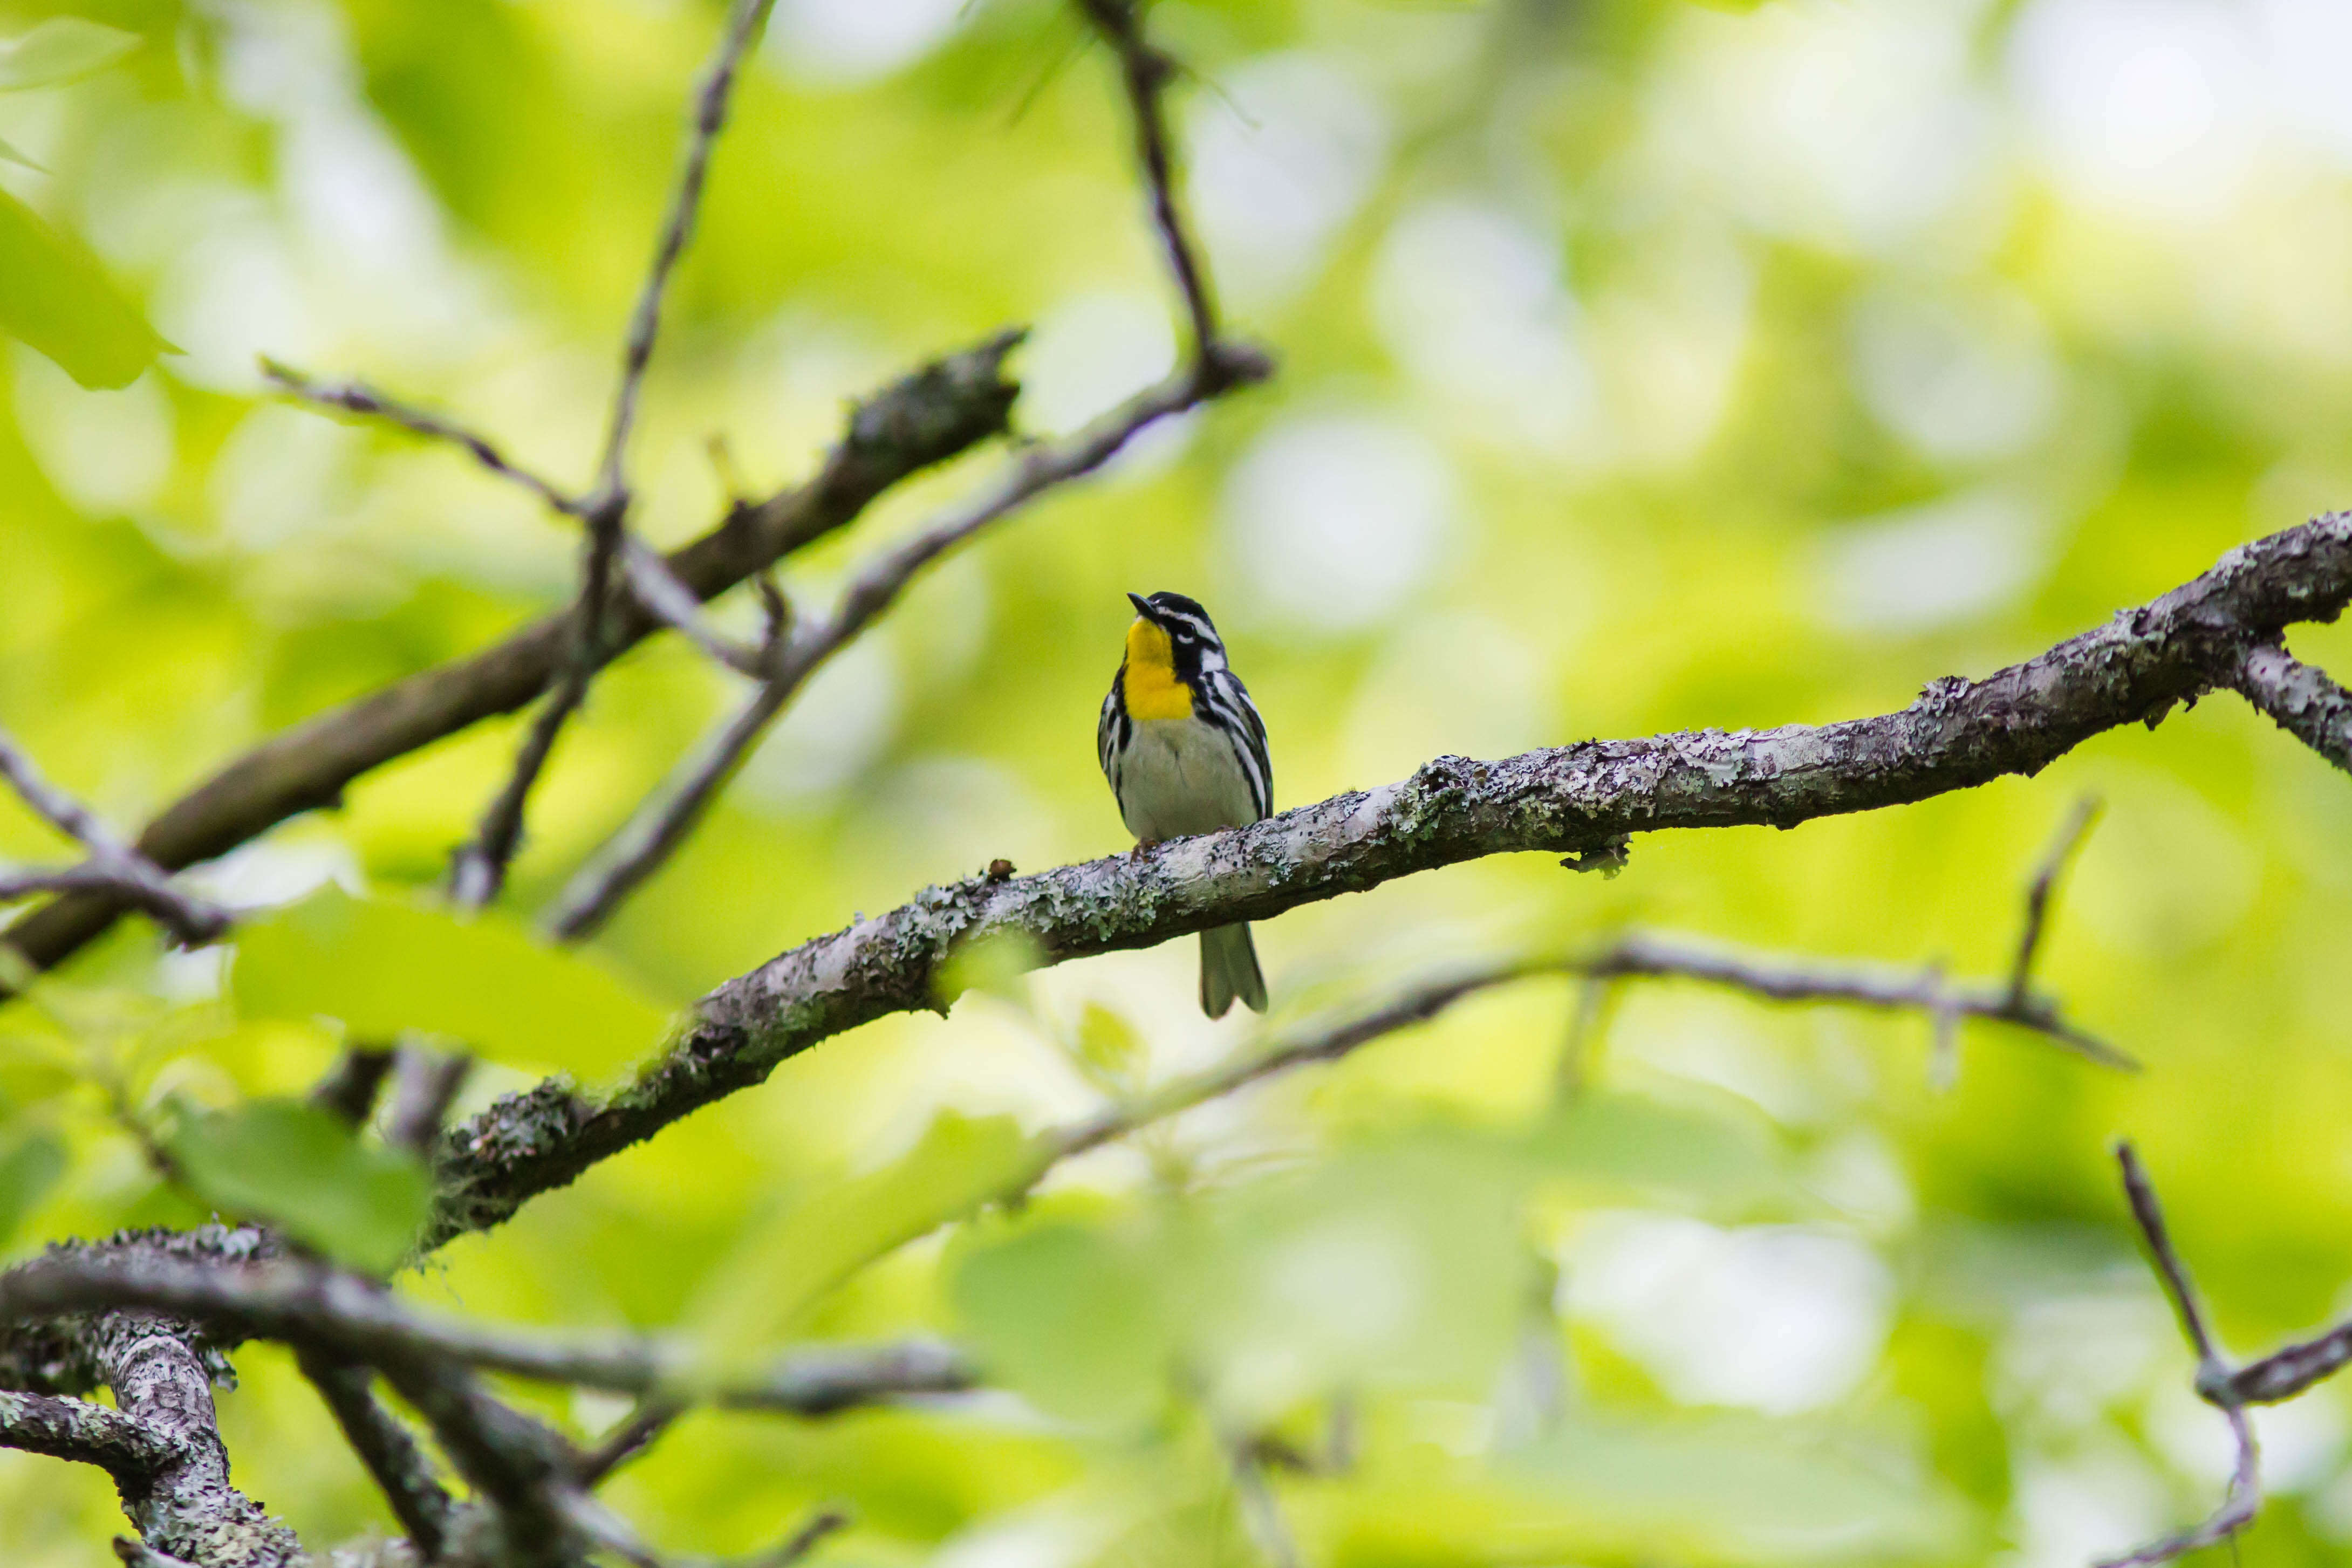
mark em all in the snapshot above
pixel 80 1430
pixel 1577 801
pixel 923 419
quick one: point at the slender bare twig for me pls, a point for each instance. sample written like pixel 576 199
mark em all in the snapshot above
pixel 2287 1372
pixel 348 1091
pixel 113 864
pixel 1630 957
pixel 674 604
pixel 744 25
pixel 479 869
pixel 826 1522
pixel 2298 698
pixel 358 397
pixel 2244 1497
pixel 191 920
pixel 2037 897
pixel 1146 72
pixel 653 1415
pixel 401 1471
pixel 302 1300
pixel 663 822
pixel 424 1082
pixel 655 831
pixel 1247 1463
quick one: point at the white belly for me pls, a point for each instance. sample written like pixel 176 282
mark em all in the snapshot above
pixel 1180 776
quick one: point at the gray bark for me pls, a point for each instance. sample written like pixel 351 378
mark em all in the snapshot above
pixel 1576 802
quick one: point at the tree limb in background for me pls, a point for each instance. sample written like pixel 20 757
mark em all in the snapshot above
pixel 113 866
pixel 477 870
pixel 662 823
pixel 301 1301
pixel 1146 72
pixel 1576 801
pixel 84 1431
pixel 2214 1384
pixel 2037 896
pixel 406 1478
pixel 923 419
pixel 655 829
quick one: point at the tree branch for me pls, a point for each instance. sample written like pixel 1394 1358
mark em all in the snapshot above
pixel 922 420
pixel 302 1300
pixel 1146 72
pixel 743 24
pixel 1572 800
pixel 187 1506
pixel 2244 1497
pixel 359 398
pixel 419 1500
pixel 2299 699
pixel 2037 897
pixel 112 866
pixel 634 852
pixel 89 1433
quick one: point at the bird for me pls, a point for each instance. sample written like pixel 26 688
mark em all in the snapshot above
pixel 1185 753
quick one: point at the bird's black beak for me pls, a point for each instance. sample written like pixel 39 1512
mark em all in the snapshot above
pixel 1142 605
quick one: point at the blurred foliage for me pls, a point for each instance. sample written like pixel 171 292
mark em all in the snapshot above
pixel 1644 365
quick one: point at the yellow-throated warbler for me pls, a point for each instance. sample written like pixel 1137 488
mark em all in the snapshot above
pixel 1184 751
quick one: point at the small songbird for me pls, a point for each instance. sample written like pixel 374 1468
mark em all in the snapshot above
pixel 1184 750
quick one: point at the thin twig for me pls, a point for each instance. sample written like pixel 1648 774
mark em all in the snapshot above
pixel 2037 897
pixel 744 25
pixel 479 869
pixel 405 1477
pixel 1264 1509
pixel 806 1539
pixel 1146 72
pixel 2283 1374
pixel 300 1298
pixel 653 1415
pixel 674 606
pixel 424 1083
pixel 670 814
pixel 189 919
pixel 113 864
pixel 1630 958
pixel 2214 1384
pixel 358 397
pixel 348 1091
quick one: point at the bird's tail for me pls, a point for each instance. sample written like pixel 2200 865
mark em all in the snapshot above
pixel 1229 969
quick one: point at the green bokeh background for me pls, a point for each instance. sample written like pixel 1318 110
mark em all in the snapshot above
pixel 1643 366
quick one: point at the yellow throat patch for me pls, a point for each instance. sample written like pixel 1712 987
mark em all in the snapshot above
pixel 1152 690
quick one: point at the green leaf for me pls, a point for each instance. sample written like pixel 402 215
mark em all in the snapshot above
pixel 1071 1317
pixel 56 296
pixel 1108 1051
pixel 295 1165
pixel 1615 1146
pixel 10 154
pixel 29 1165
pixel 826 1232
pixel 59 50
pixel 384 966
pixel 1721 1492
